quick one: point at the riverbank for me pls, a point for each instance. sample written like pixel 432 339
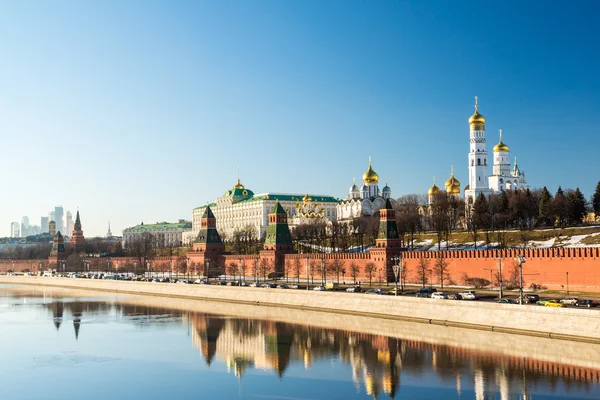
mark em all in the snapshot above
pixel 565 324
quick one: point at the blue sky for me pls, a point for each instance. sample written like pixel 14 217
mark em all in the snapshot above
pixel 142 110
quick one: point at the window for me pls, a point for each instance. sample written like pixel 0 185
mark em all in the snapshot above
pixel 479 161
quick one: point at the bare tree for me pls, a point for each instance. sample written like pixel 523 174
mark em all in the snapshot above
pixel 441 269
pixel 423 270
pixel 264 267
pixel 370 269
pixel 297 267
pixel 354 271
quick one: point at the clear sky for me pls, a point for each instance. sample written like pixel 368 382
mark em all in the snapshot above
pixel 142 110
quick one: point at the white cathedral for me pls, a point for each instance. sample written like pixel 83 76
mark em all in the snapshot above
pixel 364 201
pixel 502 177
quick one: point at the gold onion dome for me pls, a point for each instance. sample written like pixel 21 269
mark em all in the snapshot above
pixel 370 176
pixel 452 185
pixel 238 185
pixel 476 118
pixel 306 198
pixel 434 190
pixel 500 146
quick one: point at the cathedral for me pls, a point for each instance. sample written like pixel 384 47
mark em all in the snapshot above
pixel 366 200
pixel 503 177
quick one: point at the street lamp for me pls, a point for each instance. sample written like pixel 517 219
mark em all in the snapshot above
pixel 567 283
pixel 240 268
pixel 397 268
pixel 63 264
pixel 148 269
pixel 500 276
pixel 521 260
pixel 307 271
pixel 323 271
pixel 207 265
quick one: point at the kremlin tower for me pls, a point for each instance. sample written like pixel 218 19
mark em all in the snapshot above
pixel 77 239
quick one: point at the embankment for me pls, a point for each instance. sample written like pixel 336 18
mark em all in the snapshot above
pixel 567 324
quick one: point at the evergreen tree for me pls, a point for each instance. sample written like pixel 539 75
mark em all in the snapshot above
pixel 576 206
pixel 560 207
pixel 530 209
pixel 596 201
pixel 545 209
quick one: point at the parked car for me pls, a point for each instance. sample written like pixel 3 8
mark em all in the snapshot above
pixel 570 301
pixel 393 291
pixel 232 283
pixel 244 284
pixel 531 298
pixel 375 291
pixel 222 283
pixel 454 296
pixel 319 288
pixel 353 289
pixel 268 285
pixel 507 301
pixel 554 303
pixel 255 284
pixel 425 292
pixel 282 286
pixel 294 286
pixel 439 296
pixel 586 303
pixel 469 295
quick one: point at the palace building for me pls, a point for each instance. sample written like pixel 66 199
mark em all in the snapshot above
pixel 239 208
pixel 364 201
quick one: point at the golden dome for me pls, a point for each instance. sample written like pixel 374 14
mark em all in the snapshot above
pixel 476 118
pixel 370 176
pixel 306 198
pixel 500 146
pixel 434 190
pixel 238 185
pixel 452 185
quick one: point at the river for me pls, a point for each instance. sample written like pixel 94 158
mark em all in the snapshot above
pixel 57 344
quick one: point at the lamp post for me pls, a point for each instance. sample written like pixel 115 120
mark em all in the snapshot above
pixel 148 269
pixel 240 268
pixel 567 283
pixel 307 271
pixel 135 267
pixel 521 260
pixel 108 264
pixel 397 269
pixel 63 265
pixel 207 263
pixel 323 271
pixel 500 276
pixel 40 266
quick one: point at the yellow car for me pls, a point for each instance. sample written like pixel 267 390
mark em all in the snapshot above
pixel 553 303
pixel 393 291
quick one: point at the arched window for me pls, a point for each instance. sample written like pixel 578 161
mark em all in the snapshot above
pixel 479 161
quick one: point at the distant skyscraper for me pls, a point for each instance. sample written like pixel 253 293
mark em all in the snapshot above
pixel 25 226
pixel 52 228
pixel 59 219
pixel 44 224
pixel 51 216
pixel 15 230
pixel 69 224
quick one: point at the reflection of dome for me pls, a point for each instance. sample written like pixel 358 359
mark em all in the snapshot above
pixel 370 176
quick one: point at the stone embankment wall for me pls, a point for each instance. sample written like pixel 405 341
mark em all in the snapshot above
pixel 567 323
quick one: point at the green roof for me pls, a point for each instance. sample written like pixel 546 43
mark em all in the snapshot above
pixel 283 197
pixel 161 226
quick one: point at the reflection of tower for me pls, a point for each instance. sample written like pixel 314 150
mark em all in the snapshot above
pixel 279 337
pixel 58 308
pixel 76 312
pixel 479 385
pixel 208 329
pixel 502 383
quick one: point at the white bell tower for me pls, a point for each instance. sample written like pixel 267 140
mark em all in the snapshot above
pixel 478 157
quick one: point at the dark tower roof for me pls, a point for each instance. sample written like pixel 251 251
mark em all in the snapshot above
pixel 77 225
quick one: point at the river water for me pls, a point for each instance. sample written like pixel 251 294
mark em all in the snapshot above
pixel 97 346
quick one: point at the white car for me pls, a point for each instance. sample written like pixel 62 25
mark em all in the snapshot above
pixel 569 301
pixel 469 295
pixel 319 288
pixel 439 295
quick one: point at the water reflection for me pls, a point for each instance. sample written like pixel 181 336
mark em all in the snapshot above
pixel 378 364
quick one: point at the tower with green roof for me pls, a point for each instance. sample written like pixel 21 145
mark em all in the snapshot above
pixel 278 240
pixel 209 244
pixel 387 244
